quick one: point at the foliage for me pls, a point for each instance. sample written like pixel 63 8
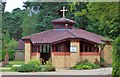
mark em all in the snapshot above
pixel 10 53
pixel 36 62
pixel 27 68
pixel 104 18
pixel 32 66
pixel 5 39
pixel 12 44
pixel 11 22
pixel 85 65
pixel 49 66
pixel 116 58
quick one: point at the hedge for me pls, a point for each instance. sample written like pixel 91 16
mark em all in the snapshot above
pixel 116 58
pixel 10 53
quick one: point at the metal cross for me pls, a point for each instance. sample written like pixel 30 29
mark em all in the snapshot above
pixel 63 12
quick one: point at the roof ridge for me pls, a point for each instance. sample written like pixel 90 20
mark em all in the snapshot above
pixel 71 33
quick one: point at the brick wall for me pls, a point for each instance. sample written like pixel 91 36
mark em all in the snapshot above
pixel 107 53
pixel 19 55
pixel 27 51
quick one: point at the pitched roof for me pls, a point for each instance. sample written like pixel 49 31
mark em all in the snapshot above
pixel 21 45
pixel 55 35
pixel 63 20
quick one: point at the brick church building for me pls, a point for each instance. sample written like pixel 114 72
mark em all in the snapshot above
pixel 66 45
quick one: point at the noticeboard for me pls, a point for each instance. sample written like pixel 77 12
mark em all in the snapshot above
pixel 73 49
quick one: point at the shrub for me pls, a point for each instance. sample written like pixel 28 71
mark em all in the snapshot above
pixel 32 66
pixel 48 66
pixel 10 53
pixel 36 62
pixel 102 62
pixel 85 65
pixel 116 58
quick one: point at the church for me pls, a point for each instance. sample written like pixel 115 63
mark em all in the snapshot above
pixel 66 45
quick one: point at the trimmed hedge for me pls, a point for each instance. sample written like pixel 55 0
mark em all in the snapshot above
pixel 10 53
pixel 116 58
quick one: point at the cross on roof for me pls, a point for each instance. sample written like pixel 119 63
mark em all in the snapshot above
pixel 63 12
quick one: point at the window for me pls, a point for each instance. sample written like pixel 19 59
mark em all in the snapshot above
pixel 88 47
pixel 34 49
pixel 56 48
pixel 60 48
pixel 67 45
pixel 44 49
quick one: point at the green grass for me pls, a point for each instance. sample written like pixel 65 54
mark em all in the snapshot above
pixel 10 65
pixel 6 70
pixel 15 62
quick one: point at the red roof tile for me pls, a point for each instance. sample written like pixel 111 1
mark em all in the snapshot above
pixel 21 45
pixel 55 35
pixel 63 20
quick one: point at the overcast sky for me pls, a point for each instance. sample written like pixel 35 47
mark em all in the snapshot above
pixel 12 4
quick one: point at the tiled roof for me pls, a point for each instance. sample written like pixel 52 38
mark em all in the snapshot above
pixel 63 20
pixel 21 45
pixel 55 35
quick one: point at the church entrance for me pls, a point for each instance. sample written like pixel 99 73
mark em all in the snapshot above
pixel 45 53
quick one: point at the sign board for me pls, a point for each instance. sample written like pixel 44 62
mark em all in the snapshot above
pixel 73 49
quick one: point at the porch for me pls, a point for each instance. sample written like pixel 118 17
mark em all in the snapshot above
pixel 64 53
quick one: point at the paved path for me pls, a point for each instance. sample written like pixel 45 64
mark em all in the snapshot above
pixel 101 71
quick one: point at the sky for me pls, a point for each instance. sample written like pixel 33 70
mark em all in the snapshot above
pixel 12 4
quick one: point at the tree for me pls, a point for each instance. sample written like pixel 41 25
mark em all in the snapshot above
pixel 104 18
pixel 13 44
pixel 12 22
pixel 116 58
pixel 28 23
pixel 5 39
pixel 46 12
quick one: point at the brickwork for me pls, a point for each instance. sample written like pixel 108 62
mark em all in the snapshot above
pixel 75 57
pixel 35 56
pixel 91 59
pixel 61 61
pixel 27 51
pixel 19 55
pixel 107 52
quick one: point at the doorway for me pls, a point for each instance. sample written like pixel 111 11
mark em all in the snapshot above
pixel 45 53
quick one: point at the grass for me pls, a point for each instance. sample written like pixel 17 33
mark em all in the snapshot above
pixel 15 62
pixel 10 65
pixel 6 70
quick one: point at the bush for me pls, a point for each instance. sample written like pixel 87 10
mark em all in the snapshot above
pixel 116 58
pixel 49 65
pixel 85 65
pixel 32 66
pixel 102 62
pixel 10 53
pixel 36 62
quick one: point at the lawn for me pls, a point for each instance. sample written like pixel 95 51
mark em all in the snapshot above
pixel 10 65
pixel 15 62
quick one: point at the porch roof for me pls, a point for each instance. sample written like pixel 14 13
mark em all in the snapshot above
pixel 54 35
